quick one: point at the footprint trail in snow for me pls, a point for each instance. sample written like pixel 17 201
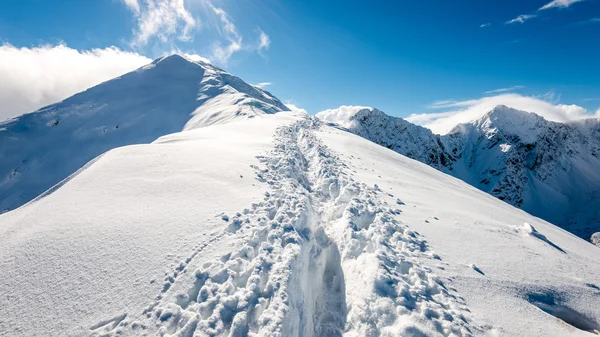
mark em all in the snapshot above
pixel 322 255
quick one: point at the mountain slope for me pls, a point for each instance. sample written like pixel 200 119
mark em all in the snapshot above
pixel 394 133
pixel 282 226
pixel 171 94
pixel 548 169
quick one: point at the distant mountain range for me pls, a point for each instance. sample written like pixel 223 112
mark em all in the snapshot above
pixel 548 169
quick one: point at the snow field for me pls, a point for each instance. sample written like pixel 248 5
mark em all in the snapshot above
pixel 104 243
pixel 229 231
pixel 322 255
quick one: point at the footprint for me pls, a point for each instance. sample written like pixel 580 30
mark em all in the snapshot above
pixel 475 268
pixel 109 324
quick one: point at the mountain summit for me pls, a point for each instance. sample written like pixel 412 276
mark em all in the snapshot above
pixel 39 149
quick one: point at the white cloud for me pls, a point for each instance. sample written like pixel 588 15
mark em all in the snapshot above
pixel 264 41
pixel 161 19
pixel 228 30
pixel 262 85
pixel 189 55
pixel 550 96
pixel 589 22
pixel 448 103
pixel 38 76
pixel 559 4
pixel 485 25
pixel 521 19
pixel 295 108
pixel 342 115
pixel 162 24
pixel 134 5
pixel 466 111
pixel 234 43
pixel 503 90
pixel 572 112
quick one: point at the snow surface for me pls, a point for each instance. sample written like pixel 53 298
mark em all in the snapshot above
pixel 281 225
pixel 39 149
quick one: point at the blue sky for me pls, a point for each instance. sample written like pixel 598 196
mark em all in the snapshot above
pixel 399 56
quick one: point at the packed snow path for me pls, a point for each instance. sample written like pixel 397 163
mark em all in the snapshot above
pixel 322 255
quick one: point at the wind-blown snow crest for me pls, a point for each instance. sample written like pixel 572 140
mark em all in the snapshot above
pixel 321 255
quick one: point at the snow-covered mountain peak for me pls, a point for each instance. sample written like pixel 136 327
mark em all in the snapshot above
pixel 176 61
pixel 506 122
pixel 507 114
pixel 240 98
pixel 171 94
